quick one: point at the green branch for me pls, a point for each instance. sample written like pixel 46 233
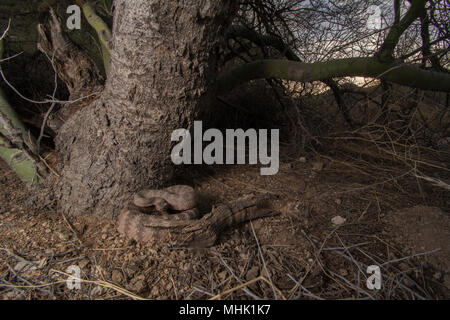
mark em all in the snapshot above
pixel 16 144
pixel 21 162
pixel 103 32
pixel 402 74
pixel 278 43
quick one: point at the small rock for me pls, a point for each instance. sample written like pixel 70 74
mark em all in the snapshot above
pixel 252 273
pixel 155 291
pixel 104 236
pixel 243 255
pixel 407 282
pixel 41 263
pixel 318 166
pixel 97 291
pixel 403 266
pixel 63 236
pixel 338 220
pixel 117 276
pixel 338 202
pixel 21 266
pixel 437 275
pixel 139 277
pixel 302 159
pixel 222 275
pixel 106 228
pixel 140 286
pixel 83 263
pixel 131 270
pixel 343 272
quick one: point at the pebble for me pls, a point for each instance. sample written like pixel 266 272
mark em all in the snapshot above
pixel 252 273
pixel 338 220
pixel 318 166
pixel 155 291
pixel 63 236
pixel 139 286
pixel 343 272
pixel 83 263
pixel 403 266
pixel 97 291
pixel 222 275
pixel 117 276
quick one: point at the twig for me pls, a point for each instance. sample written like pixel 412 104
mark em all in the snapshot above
pixel 412 256
pixel 302 288
pixel 6 30
pixel 49 111
pixel 11 57
pixel 103 284
pixel 47 100
pixel 72 229
pixel 237 278
pixel 264 262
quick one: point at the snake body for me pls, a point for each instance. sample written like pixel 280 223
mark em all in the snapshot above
pixel 178 197
pixel 176 206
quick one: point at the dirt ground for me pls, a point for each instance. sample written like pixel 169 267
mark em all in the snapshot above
pixel 298 254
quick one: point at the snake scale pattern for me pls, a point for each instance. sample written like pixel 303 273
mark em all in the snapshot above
pixel 175 206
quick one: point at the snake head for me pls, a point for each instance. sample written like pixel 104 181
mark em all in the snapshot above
pixel 161 205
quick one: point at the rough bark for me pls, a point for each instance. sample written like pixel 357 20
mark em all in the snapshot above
pixel 163 60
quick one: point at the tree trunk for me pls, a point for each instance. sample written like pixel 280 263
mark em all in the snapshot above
pixel 163 61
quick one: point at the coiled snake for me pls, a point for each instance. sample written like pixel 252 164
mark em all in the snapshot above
pixel 174 205
pixel 183 227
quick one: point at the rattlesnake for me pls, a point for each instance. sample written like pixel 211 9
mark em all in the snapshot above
pixel 175 206
pixel 184 228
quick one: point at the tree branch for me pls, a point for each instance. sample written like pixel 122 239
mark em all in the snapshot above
pixel 385 54
pixel 278 43
pixel 402 74
pixel 17 146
